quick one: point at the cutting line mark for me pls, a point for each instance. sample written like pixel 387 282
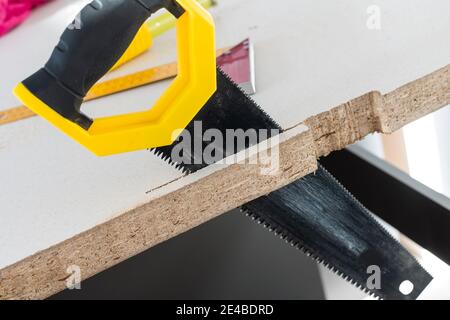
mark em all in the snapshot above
pixel 165 184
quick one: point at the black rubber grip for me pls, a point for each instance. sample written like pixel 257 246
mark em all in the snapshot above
pixel 88 49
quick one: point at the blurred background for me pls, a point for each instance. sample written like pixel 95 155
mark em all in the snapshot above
pixel 421 149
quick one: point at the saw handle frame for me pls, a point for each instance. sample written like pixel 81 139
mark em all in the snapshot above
pixel 97 39
pixel 93 43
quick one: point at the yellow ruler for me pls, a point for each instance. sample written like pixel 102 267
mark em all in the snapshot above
pixel 108 87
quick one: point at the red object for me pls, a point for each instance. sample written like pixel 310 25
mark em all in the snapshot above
pixel 239 65
pixel 14 12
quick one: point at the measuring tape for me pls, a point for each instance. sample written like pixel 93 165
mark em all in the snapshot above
pixel 108 87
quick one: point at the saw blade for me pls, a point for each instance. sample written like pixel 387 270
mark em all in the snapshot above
pixel 314 213
pixel 337 231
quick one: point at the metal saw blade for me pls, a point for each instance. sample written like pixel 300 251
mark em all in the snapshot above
pixel 340 233
pixel 314 213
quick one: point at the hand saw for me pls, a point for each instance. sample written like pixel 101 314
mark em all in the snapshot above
pixel 315 213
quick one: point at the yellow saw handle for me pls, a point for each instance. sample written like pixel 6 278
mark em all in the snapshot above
pixel 153 28
pixel 84 55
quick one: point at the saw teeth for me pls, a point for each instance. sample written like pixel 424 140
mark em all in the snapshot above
pixel 266 115
pixel 316 259
pixel 355 200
